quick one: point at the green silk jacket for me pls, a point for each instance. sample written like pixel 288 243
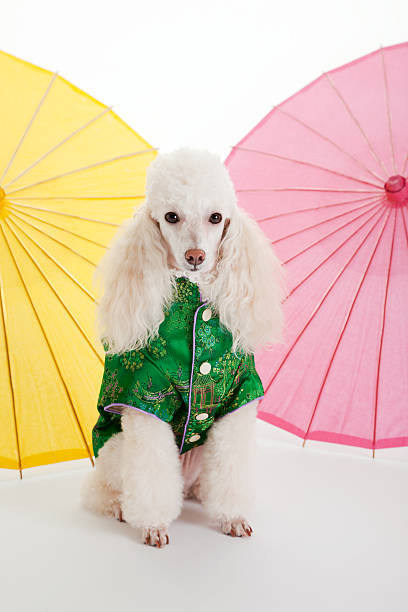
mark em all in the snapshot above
pixel 187 376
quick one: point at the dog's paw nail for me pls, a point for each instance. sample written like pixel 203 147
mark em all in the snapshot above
pixel 156 537
pixel 236 528
pixel 117 512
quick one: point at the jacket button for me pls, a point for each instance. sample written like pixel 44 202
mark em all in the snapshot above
pixel 205 367
pixel 202 416
pixel 207 314
pixel 194 438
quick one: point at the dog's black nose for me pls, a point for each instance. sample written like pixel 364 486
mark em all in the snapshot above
pixel 194 256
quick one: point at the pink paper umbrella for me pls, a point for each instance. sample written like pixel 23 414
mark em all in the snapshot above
pixel 324 174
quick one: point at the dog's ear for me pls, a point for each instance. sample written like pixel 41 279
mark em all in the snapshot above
pixel 250 285
pixel 136 284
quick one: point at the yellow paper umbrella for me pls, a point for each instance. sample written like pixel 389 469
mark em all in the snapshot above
pixel 70 172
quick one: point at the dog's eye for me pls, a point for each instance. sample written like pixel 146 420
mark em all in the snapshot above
pixel 171 217
pixel 215 218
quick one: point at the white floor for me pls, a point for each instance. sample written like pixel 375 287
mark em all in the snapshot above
pixel 330 534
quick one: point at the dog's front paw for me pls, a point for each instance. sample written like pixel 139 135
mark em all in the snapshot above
pixel 236 527
pixel 155 536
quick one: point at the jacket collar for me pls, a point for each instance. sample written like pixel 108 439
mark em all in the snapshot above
pixel 186 291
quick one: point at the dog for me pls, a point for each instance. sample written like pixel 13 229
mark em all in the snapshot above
pixel 189 235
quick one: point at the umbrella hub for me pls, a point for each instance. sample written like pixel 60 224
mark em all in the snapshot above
pixel 396 189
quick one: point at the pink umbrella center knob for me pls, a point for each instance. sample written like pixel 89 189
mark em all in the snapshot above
pixel 396 189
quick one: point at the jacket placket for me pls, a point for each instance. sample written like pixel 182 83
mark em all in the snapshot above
pixel 198 419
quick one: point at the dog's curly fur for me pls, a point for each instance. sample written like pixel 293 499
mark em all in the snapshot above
pixel 139 475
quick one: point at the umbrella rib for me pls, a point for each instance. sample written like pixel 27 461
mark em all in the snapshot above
pixel 13 399
pixel 382 332
pixel 343 329
pixel 314 208
pixel 59 227
pixel 52 238
pixel 330 254
pixel 310 164
pixel 327 139
pixel 370 146
pixel 112 197
pixel 405 163
pixel 405 225
pixel 347 212
pixel 50 348
pixel 88 167
pixel 321 301
pixel 64 214
pixel 54 290
pixel 54 76
pixel 324 189
pixel 323 238
pixel 37 161
pixel 387 101
pixel 60 266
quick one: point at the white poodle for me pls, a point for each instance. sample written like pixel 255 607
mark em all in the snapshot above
pixel 189 228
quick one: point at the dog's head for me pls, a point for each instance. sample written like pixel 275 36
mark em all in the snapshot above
pixel 190 221
pixel 189 194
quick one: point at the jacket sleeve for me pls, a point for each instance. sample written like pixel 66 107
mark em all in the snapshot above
pixel 136 380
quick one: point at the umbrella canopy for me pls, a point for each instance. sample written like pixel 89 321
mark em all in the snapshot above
pixel 324 173
pixel 70 172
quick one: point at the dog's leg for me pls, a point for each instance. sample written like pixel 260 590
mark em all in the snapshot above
pixel 151 475
pixel 227 473
pixel 101 488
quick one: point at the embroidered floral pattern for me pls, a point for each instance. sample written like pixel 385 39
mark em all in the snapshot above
pixel 132 361
pixel 157 347
pixel 186 290
pixel 181 317
pixel 111 389
pixel 206 337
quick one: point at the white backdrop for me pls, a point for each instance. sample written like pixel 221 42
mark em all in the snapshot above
pixel 196 72
pixel 330 532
